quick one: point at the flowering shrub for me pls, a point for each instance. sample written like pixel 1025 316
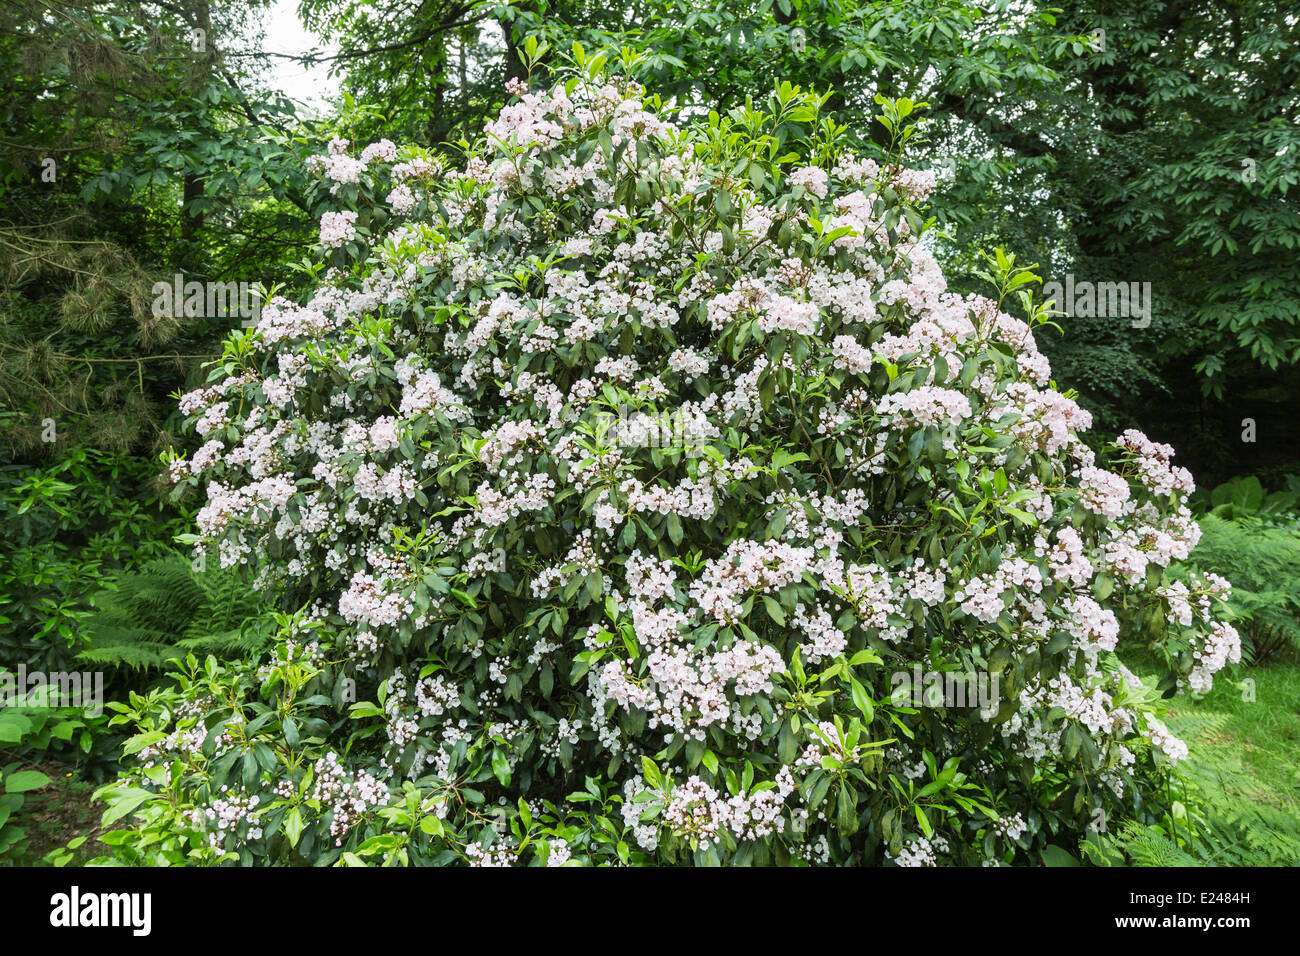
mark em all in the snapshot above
pixel 521 634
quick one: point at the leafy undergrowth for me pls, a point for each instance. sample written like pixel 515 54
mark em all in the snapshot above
pixel 61 820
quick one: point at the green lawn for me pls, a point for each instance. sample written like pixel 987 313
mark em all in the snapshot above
pixel 1255 742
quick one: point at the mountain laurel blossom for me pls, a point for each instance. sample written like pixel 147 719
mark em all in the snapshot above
pixel 571 648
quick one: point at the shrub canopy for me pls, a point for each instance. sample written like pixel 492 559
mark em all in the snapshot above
pixel 638 475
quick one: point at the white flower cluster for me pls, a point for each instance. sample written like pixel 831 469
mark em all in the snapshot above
pixel 871 458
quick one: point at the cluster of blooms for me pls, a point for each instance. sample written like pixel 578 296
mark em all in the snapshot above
pixel 916 183
pixel 339 167
pixel 1103 491
pixel 982 596
pixel 1047 420
pixel 928 405
pixel 187 736
pixel 686 691
pixel 825 640
pixel 1066 560
pixel 853 357
pixel 1186 606
pixel 1162 739
pixel 345 795
pixel 747 566
pixel 559 853
pixel 226 815
pixel 282 319
pixel 1093 702
pixel 1154 468
pixel 366 601
pixel 810 178
pixel 1223 644
pixel 874 594
pixel 827 741
pixel 697 810
pixel 1097 626
pixel 493 856
pixel 921 851
pixel 337 228
pixel 413 449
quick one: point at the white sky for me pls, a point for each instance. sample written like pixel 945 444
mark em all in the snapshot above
pixel 286 34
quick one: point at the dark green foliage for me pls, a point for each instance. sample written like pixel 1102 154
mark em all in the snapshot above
pixel 169 609
pixel 166 160
pixel 68 523
pixel 38 735
pixel 1246 497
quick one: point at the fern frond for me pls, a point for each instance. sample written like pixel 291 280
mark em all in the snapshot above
pixel 167 609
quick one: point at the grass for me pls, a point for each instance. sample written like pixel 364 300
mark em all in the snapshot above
pixel 1256 741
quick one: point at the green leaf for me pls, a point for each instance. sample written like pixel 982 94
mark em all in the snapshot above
pixel 124 804
pixel 293 826
pixel 675 530
pixel 12 728
pixel 846 816
pixel 500 766
pixel 1056 856
pixel 924 822
pixel 651 773
pixel 862 700
pixel 774 611
pixel 25 780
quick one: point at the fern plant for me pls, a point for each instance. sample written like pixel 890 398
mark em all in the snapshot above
pixel 1224 830
pixel 1136 844
pixel 167 609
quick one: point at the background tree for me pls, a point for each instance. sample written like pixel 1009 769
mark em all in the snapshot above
pixel 133 151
